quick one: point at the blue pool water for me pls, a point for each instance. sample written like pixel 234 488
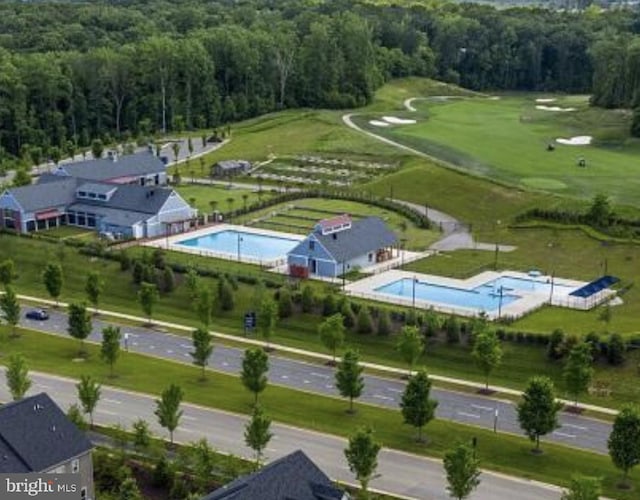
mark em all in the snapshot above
pixel 482 298
pixel 256 246
pixel 485 297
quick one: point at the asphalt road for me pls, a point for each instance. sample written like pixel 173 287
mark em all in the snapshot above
pixel 461 407
pixel 401 473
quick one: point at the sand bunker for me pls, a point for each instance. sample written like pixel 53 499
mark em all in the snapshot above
pixel 378 123
pixel 554 108
pixel 580 140
pixel 397 121
pixel 542 101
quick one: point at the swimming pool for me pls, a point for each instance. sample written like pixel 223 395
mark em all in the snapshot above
pixel 241 244
pixel 511 283
pixel 483 298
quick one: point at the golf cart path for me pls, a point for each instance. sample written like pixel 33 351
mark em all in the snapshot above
pixel 457 234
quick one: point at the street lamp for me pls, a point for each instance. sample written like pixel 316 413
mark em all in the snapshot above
pixel 495 260
pixel 239 240
pixel 553 273
pixel 413 293
pixel 500 292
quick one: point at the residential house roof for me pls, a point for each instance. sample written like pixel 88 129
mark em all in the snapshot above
pixel 98 188
pixel 135 198
pixel 35 435
pixel 364 236
pixel 334 222
pixel 36 197
pixel 104 169
pixel 293 477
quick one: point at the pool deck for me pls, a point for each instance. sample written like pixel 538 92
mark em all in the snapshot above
pixel 529 299
pixel 171 243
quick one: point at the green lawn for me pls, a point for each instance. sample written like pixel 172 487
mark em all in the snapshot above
pixel 201 196
pixel 504 453
pixel 69 232
pixel 506 140
pixel 317 209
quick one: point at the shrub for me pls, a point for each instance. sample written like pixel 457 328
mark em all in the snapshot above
pixel 554 347
pixel 411 318
pixel 125 261
pixel 364 322
pixel 137 272
pixel 308 299
pixel 616 349
pixel 593 339
pixel 285 303
pixel 158 258
pixel 168 280
pixel 329 306
pixel 384 323
pixel 452 329
pixel 349 317
pixel 163 475
pixel 225 295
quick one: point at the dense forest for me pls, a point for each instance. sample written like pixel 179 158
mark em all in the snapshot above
pixel 71 72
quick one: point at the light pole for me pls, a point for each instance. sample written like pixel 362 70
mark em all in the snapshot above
pixel 495 419
pixel 500 292
pixel 239 240
pixel 413 293
pixel 495 260
pixel 553 273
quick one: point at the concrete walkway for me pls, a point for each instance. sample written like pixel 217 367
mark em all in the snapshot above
pixel 311 354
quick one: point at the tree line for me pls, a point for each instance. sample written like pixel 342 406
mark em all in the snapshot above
pixel 73 72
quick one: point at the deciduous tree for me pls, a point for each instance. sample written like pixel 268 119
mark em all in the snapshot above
pixel 10 308
pixel 462 471
pixel 578 371
pixel 93 288
pixel 349 379
pixel 410 345
pixel 487 353
pixel 255 366
pixel 362 456
pixel 79 324
pixel 418 409
pixel 331 332
pixel 17 376
pixel 52 277
pixel 89 394
pixel 168 408
pixel 202 349
pixel 148 297
pixel 257 433
pixel 624 440
pixel 538 410
pixel 110 346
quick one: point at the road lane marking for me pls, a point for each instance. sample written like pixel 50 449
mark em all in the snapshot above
pixel 465 414
pixel 284 376
pixel 480 407
pixel 329 386
pixel 380 396
pixel 321 375
pixel 106 412
pixel 558 433
pixel 169 351
pixel 44 386
pixel 306 382
pixel 152 347
pixel 572 426
pixel 185 346
pixel 392 389
pixel 224 363
pixel 189 431
pixel 113 401
pixel 187 417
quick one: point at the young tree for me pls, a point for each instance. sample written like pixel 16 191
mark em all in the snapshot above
pixel 110 346
pixel 7 272
pixel 462 471
pixel 79 324
pixel 418 409
pixel 148 297
pixel 168 280
pixel 204 304
pixel 578 371
pixel 384 323
pixel 349 379
pixel 255 366
pixel 267 318
pixel 128 490
pixel 257 432
pixel 168 409
pixel 331 332
pixel 487 353
pixel 175 146
pixel 10 308
pixel 329 305
pixel 201 459
pixel 52 277
pixel 410 346
pixel 89 395
pixel 93 288
pixel 362 456
pixel 75 415
pixel 624 440
pixel 583 488
pixel 202 349
pixel 141 435
pixel 97 148
pixel 225 295
pixel 17 376
pixel 191 281
pixel 538 410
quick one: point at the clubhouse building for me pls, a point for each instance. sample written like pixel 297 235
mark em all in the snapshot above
pixel 126 197
pixel 341 244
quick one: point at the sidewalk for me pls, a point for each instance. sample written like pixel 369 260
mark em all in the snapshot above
pixel 318 356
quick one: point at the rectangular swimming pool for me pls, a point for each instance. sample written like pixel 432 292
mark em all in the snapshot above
pixel 483 298
pixel 242 244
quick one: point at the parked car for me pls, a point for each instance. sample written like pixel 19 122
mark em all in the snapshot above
pixel 37 314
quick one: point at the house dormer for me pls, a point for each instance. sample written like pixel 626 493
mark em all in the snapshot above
pixel 333 225
pixel 96 192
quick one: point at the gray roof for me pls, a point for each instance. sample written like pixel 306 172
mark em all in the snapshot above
pixel 113 216
pixel 36 435
pixel 104 169
pixel 365 235
pixel 293 477
pixel 98 188
pixel 45 194
pixel 135 198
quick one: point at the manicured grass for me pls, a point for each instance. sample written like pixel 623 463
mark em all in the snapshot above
pixel 317 208
pixel 505 453
pixel 69 232
pixel 506 139
pixel 202 196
